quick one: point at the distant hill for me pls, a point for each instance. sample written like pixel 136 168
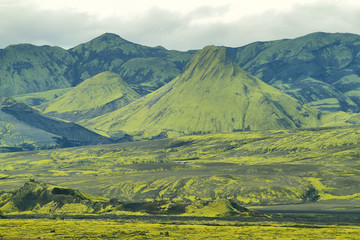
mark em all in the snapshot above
pixel 320 68
pixel 26 68
pixel 143 67
pixel 47 198
pixel 98 95
pixel 43 198
pixel 25 128
pixel 212 95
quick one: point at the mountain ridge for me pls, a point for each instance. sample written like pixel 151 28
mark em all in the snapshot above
pixel 314 67
pixel 27 68
pixel 52 132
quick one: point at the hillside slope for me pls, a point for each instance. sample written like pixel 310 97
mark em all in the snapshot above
pixel 26 68
pixel 212 95
pixel 144 68
pixel 319 68
pixel 96 96
pixel 25 125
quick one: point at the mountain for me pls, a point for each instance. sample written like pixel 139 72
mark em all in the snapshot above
pixel 212 95
pixel 145 68
pixel 320 68
pixel 95 96
pixel 24 128
pixel 27 68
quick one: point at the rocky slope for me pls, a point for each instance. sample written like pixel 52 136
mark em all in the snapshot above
pixel 25 125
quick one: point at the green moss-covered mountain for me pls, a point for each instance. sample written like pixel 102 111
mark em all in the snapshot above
pixel 26 68
pixel 320 68
pixel 145 68
pixel 25 128
pixel 96 96
pixel 212 95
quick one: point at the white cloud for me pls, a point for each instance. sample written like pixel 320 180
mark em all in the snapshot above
pixel 186 26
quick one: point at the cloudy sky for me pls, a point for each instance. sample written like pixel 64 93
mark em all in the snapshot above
pixel 182 25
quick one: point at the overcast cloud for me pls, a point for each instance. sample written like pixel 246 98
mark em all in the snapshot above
pixel 26 22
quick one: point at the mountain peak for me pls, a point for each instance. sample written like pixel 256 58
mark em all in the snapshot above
pixel 110 37
pixel 211 62
pixel 210 53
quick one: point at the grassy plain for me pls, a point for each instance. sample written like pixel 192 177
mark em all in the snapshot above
pixel 88 229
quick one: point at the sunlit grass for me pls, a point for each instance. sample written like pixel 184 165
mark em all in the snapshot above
pixel 76 229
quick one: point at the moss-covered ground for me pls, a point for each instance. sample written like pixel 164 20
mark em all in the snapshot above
pixel 90 229
pixel 256 168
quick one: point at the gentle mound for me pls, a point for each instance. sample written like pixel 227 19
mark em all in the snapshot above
pixel 95 96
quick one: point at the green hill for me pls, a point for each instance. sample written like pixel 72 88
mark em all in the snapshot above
pixel 144 68
pixel 51 199
pixel 27 68
pixel 103 93
pixel 318 66
pixel 212 95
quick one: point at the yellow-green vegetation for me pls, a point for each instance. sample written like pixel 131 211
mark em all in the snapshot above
pixel 26 68
pixel 51 200
pixel 256 168
pixel 212 95
pixel 76 229
pixel 37 98
pixel 144 68
pixel 35 197
pixel 95 96
pixel 319 68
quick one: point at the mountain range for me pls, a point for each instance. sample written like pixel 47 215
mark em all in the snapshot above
pixel 26 68
pixel 118 88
